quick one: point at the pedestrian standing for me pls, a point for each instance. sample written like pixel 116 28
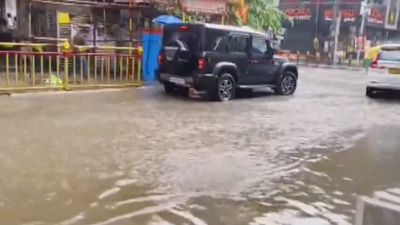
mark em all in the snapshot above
pixel 80 62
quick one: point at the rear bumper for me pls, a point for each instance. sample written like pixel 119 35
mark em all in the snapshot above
pixel 384 81
pixel 200 82
pixel 384 86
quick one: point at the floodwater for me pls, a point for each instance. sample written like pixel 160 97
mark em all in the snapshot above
pixel 139 157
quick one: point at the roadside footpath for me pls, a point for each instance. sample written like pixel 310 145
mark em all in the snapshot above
pixel 323 66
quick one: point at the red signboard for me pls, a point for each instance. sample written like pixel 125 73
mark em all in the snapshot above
pixel 376 16
pixel 299 14
pixel 346 15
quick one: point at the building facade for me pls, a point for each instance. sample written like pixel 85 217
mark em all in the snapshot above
pixel 313 28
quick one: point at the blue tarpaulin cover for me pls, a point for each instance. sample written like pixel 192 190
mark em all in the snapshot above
pixel 166 19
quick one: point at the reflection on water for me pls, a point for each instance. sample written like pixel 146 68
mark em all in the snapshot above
pixel 325 190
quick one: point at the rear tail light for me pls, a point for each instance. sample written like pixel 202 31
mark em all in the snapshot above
pixel 374 63
pixel 159 58
pixel 201 64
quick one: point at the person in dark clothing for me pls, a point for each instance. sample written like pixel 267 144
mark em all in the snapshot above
pixel 81 65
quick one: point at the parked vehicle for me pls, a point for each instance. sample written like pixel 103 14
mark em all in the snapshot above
pixel 384 70
pixel 217 60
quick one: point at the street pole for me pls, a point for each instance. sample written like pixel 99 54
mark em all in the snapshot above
pixel 316 19
pixel 336 23
pixel 336 20
pixel 337 31
pixel 364 13
pixel 361 35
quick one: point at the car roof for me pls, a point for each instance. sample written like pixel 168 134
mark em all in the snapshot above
pixel 390 46
pixel 244 29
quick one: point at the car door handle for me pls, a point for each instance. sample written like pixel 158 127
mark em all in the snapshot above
pixel 255 61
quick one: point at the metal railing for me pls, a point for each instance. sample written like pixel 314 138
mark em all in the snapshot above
pixel 85 68
pixel 308 59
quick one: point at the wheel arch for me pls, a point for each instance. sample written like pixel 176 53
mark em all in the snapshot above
pixel 290 68
pixel 226 67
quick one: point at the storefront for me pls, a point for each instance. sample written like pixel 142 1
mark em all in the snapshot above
pixel 392 18
pixel 348 26
pixel 299 37
pixel 313 22
pixel 375 31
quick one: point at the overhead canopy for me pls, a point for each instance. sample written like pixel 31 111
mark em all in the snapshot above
pixel 166 19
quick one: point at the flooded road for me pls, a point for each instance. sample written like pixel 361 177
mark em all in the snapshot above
pixel 139 157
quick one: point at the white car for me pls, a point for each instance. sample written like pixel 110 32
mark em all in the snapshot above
pixel 384 71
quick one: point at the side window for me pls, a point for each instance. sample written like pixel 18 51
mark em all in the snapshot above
pixel 238 43
pixel 215 40
pixel 259 45
pixel 221 44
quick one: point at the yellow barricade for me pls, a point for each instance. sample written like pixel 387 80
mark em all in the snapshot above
pixel 31 68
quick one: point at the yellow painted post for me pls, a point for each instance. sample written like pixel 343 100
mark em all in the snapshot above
pixel 16 68
pixel 81 66
pixel 102 69
pixel 7 69
pixel 95 68
pixel 133 68
pixel 108 68
pixel 115 68
pixel 33 70
pixel 58 66
pixel 41 68
pixel 50 68
pixel 73 69
pixel 139 72
pixel 25 70
pixel 127 68
pixel 89 63
pixel 66 81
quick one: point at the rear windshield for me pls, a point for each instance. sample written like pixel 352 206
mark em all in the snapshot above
pixel 390 55
pixel 188 34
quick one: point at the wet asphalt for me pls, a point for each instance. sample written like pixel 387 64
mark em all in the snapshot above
pixel 140 157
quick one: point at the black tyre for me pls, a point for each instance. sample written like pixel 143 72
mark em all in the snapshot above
pixel 287 84
pixel 169 88
pixel 225 89
pixel 370 92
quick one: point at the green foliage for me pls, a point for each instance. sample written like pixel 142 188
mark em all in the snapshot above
pixel 189 17
pixel 261 15
pixel 175 11
pixel 193 17
pixel 232 17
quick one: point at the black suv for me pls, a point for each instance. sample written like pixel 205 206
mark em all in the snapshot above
pixel 218 60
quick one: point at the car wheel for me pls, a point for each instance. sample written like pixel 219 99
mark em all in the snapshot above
pixel 370 92
pixel 286 84
pixel 225 89
pixel 169 88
